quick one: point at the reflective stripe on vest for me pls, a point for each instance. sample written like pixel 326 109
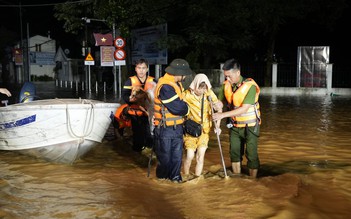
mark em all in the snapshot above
pixel 162 116
pixel 236 98
pixel 250 118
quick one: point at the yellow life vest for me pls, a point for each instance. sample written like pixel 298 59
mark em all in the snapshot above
pixel 195 104
pixel 161 113
pixel 236 99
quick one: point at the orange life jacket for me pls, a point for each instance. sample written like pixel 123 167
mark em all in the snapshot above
pixel 134 109
pixel 161 113
pixel 136 82
pixel 123 121
pixel 236 98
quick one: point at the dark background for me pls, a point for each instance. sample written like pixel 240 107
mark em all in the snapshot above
pixel 42 22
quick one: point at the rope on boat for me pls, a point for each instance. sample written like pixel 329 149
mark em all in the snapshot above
pixel 89 121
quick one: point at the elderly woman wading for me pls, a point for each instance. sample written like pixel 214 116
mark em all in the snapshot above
pixel 200 111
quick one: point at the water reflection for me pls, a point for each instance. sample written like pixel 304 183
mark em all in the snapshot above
pixel 304 150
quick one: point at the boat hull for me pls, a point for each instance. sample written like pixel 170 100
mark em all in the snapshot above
pixel 57 130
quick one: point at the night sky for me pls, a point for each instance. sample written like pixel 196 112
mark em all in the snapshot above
pixel 305 34
pixel 38 20
pixel 41 21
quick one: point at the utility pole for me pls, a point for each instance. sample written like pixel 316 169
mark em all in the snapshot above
pixel 114 65
pixel 20 70
pixel 28 56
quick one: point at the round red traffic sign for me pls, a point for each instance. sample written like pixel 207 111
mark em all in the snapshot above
pixel 119 42
pixel 120 54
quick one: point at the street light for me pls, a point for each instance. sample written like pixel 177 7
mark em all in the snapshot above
pixel 88 20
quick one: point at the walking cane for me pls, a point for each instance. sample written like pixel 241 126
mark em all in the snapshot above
pixel 219 141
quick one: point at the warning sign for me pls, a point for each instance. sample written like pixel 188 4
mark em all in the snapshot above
pixel 89 57
pixel 89 60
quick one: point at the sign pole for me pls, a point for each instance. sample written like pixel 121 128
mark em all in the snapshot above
pixel 119 81
pixel 114 65
pixel 89 60
pixel 119 55
pixel 89 78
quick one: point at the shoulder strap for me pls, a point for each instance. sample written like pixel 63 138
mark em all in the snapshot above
pixel 202 108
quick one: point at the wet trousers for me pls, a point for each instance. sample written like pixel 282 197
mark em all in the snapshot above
pixel 241 137
pixel 141 132
pixel 169 152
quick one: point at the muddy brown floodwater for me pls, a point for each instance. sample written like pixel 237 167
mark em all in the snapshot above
pixel 305 155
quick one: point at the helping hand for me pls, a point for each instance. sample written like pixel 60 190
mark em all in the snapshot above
pixel 218 131
pixel 5 91
pixel 218 106
pixel 217 116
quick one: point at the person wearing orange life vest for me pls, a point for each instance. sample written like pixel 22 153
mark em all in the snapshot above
pixel 169 111
pixel 242 96
pixel 140 123
pixel 121 119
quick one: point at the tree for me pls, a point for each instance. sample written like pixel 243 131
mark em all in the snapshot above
pixel 270 16
pixel 208 31
pixel 126 14
pixel 212 27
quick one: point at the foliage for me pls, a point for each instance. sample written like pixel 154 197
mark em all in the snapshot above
pixel 72 15
pixel 206 32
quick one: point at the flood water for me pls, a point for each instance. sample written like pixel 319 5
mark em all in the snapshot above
pixel 304 150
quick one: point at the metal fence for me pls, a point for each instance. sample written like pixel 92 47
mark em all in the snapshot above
pixel 286 77
pixel 287 74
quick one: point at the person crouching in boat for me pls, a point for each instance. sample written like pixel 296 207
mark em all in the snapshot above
pixel 121 120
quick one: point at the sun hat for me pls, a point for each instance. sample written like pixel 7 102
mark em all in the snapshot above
pixel 179 67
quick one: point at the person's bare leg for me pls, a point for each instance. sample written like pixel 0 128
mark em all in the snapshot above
pixel 187 163
pixel 253 173
pixel 200 157
pixel 236 166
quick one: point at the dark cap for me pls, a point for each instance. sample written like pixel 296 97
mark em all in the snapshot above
pixel 179 67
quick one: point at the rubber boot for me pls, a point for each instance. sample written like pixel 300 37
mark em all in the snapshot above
pixel 236 166
pixel 253 173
